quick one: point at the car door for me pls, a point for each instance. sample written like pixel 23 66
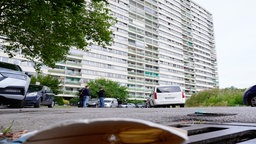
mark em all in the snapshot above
pixel 43 96
pixel 115 103
pixel 48 95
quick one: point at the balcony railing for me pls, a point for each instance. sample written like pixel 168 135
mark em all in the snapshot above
pixel 70 92
pixel 74 73
pixel 73 82
pixel 58 71
pixel 76 55
pixel 74 63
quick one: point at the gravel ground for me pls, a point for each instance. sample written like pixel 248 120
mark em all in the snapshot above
pixel 35 119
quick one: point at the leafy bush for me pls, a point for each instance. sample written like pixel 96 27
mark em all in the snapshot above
pixel 66 102
pixel 135 101
pixel 59 100
pixel 217 97
pixel 74 101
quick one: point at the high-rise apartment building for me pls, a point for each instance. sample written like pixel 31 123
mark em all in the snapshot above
pixel 156 42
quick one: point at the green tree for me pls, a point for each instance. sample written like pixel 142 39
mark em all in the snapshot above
pixel 47 80
pixel 45 30
pixel 112 89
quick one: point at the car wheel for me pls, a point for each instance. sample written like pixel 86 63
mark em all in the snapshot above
pixel 182 105
pixel 37 104
pixel 253 101
pixel 51 105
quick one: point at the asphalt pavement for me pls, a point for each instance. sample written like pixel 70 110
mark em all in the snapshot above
pixel 40 118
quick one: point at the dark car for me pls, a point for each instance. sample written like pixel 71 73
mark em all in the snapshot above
pixel 39 95
pixel 249 97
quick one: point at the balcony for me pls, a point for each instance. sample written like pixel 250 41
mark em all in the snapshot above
pixel 76 55
pixel 136 73
pixel 70 92
pixel 135 66
pixel 74 73
pixel 135 81
pixel 152 69
pixel 56 71
pixel 70 63
pixel 136 89
pixel 77 83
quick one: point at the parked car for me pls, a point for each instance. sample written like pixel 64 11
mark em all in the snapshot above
pixel 127 105
pixel 39 95
pixel 93 102
pixel 122 105
pixel 14 84
pixel 141 105
pixel 131 105
pixel 249 97
pixel 166 96
pixel 110 102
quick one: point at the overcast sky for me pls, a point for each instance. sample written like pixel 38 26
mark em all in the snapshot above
pixel 235 38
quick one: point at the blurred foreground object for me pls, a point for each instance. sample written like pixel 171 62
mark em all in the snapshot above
pixel 109 131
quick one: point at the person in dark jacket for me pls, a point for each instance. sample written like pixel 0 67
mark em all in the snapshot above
pixel 81 98
pixel 86 95
pixel 101 94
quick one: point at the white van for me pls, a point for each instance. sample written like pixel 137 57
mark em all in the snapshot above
pixel 110 102
pixel 166 96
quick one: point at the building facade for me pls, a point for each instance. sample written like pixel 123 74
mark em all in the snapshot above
pixel 156 42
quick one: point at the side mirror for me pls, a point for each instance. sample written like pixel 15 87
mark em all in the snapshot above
pixel 28 74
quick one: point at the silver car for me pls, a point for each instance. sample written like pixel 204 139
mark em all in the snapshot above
pixel 110 102
pixel 13 85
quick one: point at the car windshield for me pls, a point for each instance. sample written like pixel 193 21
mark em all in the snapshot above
pixel 107 101
pixel 10 66
pixel 168 89
pixel 34 88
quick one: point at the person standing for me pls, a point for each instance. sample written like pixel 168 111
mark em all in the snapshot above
pixel 81 98
pixel 86 95
pixel 101 94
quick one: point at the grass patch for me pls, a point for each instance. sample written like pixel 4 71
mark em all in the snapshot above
pixel 217 97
